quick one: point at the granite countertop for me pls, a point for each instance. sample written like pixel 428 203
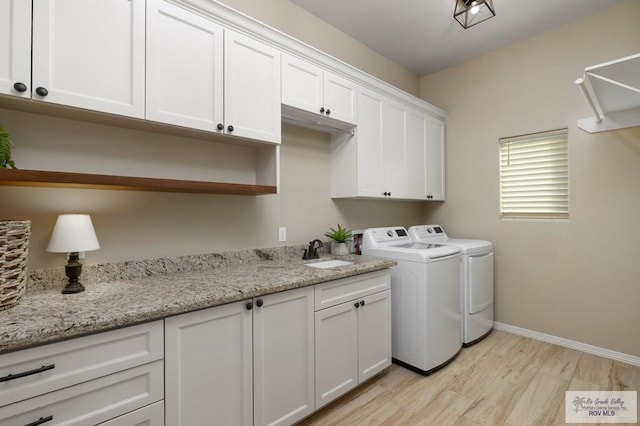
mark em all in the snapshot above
pixel 46 315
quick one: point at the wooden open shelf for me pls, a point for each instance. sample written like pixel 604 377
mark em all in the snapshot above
pixel 40 178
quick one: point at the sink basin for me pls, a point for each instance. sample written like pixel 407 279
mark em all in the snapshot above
pixel 326 264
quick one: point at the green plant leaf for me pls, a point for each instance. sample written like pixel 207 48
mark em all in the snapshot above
pixel 5 149
pixel 340 235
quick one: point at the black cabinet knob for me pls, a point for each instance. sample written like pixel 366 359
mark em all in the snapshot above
pixel 362 303
pixel 20 87
pixel 249 305
pixel 430 197
pixel 42 91
pixel 230 128
pixel 385 193
pixel 220 126
pixel 328 111
pixel 321 110
pixel 259 302
pixel 357 305
pixel 389 194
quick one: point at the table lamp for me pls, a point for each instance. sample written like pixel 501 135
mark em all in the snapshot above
pixel 72 234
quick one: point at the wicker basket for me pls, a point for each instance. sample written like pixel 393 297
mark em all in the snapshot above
pixel 14 249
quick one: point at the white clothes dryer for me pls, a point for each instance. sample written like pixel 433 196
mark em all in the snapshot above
pixel 425 298
pixel 477 280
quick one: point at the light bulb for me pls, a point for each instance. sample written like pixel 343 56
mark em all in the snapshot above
pixel 474 8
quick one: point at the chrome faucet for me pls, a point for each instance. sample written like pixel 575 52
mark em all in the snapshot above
pixel 312 251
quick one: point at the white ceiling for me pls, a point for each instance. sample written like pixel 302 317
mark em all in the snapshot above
pixel 422 35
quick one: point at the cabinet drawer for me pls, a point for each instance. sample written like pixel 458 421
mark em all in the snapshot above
pixel 335 292
pixel 151 415
pixel 92 402
pixel 70 362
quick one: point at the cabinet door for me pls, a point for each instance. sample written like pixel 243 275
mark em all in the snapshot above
pixel 395 141
pixel 374 335
pixel 184 67
pixel 371 166
pixel 435 160
pixel 336 352
pixel 15 47
pixel 416 156
pixel 339 98
pixel 90 54
pixel 251 88
pixel 283 333
pixel 302 84
pixel 208 367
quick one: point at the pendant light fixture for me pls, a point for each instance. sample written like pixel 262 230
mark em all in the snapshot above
pixel 471 12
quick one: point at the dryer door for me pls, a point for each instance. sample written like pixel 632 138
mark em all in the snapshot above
pixel 480 282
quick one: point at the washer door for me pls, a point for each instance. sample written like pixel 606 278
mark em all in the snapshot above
pixel 480 282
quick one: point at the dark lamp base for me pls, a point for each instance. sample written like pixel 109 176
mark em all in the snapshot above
pixel 73 270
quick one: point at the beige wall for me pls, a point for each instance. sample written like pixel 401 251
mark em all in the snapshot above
pixel 578 279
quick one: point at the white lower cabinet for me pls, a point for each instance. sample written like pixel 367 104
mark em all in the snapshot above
pixel 244 363
pixel 91 402
pixel 209 367
pixel 86 381
pixel 353 338
pixel 283 357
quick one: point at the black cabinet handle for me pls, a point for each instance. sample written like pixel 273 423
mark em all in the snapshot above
pixel 362 303
pixel 259 302
pixel 42 91
pixel 27 373
pixel 220 126
pixel 230 128
pixel 389 194
pixel 357 305
pixel 20 87
pixel 40 421
pixel 430 197
pixel 321 110
pixel 328 111
pixel 249 306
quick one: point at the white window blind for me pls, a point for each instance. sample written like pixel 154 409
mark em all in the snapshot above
pixel 534 175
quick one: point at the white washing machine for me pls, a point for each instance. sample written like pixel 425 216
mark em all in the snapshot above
pixel 477 280
pixel 425 297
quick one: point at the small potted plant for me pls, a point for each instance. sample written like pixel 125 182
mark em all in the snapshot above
pixel 5 150
pixel 339 239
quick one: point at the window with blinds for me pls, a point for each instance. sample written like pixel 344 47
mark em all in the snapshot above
pixel 534 175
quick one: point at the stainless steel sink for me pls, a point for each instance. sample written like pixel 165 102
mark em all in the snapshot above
pixel 326 264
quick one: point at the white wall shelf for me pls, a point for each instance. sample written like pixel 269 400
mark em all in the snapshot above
pixel 612 90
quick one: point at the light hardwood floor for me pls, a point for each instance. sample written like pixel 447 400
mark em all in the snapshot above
pixel 504 379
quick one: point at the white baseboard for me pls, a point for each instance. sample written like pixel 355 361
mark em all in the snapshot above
pixel 572 344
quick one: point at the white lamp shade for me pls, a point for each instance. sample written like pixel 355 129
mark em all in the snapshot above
pixel 73 232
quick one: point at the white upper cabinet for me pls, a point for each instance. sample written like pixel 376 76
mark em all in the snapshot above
pixel 310 88
pixel 201 75
pixel 395 143
pixel 370 155
pixel 15 48
pixel 90 54
pixel 251 88
pixel 184 67
pixel 435 160
pixel 398 152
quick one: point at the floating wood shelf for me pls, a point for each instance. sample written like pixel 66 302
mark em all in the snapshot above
pixel 40 178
